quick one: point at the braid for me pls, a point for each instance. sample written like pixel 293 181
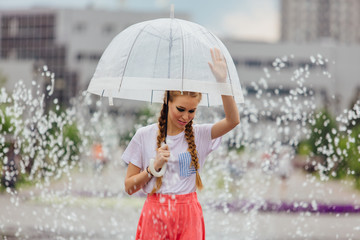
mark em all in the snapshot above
pixel 160 139
pixel 189 135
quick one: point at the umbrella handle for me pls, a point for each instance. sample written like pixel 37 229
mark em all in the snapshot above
pixel 154 172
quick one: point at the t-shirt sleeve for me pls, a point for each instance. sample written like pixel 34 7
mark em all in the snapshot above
pixel 132 153
pixel 205 144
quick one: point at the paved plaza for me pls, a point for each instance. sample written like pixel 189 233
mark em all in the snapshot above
pixel 89 205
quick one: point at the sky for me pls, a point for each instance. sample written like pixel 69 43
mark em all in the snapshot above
pixel 250 20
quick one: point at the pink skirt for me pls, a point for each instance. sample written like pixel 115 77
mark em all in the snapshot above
pixel 171 217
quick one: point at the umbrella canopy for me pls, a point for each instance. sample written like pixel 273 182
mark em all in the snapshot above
pixel 150 57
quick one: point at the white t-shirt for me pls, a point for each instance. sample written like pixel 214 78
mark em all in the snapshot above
pixel 179 177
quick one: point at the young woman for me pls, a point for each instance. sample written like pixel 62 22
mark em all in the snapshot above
pixel 171 210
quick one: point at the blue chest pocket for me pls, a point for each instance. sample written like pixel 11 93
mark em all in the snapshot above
pixel 184 163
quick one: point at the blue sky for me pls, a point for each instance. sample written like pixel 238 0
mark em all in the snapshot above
pixel 242 19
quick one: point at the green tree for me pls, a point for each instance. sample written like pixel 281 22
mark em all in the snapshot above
pixel 350 156
pixel 321 141
pixel 323 131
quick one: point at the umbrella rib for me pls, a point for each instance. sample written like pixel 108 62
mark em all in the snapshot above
pixel 191 34
pixel 127 59
pixel 182 67
pixel 158 36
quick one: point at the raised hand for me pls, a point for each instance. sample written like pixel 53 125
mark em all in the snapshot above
pixel 218 66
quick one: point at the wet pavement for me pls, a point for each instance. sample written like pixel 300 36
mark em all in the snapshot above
pixel 90 205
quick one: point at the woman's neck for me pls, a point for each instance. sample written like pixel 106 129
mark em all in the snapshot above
pixel 173 130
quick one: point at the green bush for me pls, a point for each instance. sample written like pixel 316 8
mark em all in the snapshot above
pixel 341 169
pixel 72 140
pixel 304 148
pixel 323 131
pixel 7 129
pixel 340 151
pixel 321 141
pixel 46 145
pixel 350 147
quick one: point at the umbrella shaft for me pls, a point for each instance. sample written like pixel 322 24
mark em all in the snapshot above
pixel 169 65
pixel 167 113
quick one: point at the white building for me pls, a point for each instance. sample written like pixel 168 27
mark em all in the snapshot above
pixel 334 82
pixel 320 20
pixel 69 41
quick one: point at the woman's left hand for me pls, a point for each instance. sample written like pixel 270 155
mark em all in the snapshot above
pixel 218 66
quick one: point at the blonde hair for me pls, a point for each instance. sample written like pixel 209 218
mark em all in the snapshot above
pixel 189 136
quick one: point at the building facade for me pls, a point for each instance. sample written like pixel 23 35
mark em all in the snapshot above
pixel 333 72
pixel 68 41
pixel 304 21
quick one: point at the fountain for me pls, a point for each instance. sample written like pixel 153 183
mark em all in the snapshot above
pixel 257 185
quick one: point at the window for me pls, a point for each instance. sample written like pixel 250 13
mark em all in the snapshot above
pixel 13 27
pixel 253 63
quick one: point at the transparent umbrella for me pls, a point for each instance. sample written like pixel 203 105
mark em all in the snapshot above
pixel 150 57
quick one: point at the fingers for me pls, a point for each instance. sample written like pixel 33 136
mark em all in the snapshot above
pixel 216 55
pixel 165 154
pixel 219 55
pixel 161 158
pixel 164 147
pixel 212 55
pixel 164 150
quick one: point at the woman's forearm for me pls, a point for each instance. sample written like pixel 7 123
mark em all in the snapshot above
pixel 136 182
pixel 231 111
pixel 232 118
